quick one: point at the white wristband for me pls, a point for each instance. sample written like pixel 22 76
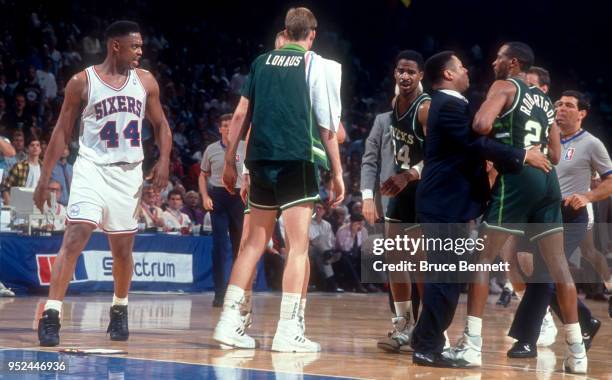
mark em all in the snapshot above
pixel 367 194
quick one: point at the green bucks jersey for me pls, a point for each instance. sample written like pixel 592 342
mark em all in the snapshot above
pixel 407 135
pixel 282 123
pixel 527 121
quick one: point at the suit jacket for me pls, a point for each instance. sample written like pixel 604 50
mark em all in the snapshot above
pixel 454 185
pixel 377 163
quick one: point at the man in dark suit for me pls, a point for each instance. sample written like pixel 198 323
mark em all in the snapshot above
pixel 453 190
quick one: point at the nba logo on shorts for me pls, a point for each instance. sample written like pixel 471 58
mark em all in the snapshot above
pixel 74 210
pixel 569 154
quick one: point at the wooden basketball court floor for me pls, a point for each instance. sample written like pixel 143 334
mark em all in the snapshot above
pixel 171 339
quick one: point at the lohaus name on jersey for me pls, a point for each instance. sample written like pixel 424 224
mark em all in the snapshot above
pixel 402 136
pixel 284 60
pixel 116 104
pixel 539 101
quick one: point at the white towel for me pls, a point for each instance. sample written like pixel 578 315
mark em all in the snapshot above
pixel 324 78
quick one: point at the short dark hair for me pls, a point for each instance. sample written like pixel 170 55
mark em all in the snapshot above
pixel 584 103
pixel 175 192
pixel 225 117
pixel 522 52
pixel 410 55
pixel 357 218
pixel 542 73
pixel 120 28
pixel 34 138
pixel 435 66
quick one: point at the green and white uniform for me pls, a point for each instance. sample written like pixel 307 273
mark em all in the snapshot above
pixel 291 93
pixel 527 202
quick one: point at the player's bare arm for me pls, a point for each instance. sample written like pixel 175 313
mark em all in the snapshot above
pixel 330 141
pixel 554 144
pixel 163 135
pixel 499 98
pixel 76 93
pixel 238 127
pixel 423 113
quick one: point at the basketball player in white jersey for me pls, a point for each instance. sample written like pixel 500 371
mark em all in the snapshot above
pixel 112 100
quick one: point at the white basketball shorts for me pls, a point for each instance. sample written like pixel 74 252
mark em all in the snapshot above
pixel 106 196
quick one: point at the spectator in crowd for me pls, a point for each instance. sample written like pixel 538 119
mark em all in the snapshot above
pixel 19 145
pixel 2 101
pixel 46 81
pixel 17 118
pixel 338 217
pixel 321 249
pixel 150 212
pixel 226 209
pixel 55 212
pixel 174 219
pixel 7 154
pixel 25 173
pixel 62 173
pixel 349 240
pixel 193 208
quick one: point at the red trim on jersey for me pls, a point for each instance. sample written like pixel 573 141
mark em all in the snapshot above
pixel 123 232
pixel 127 79
pixel 81 220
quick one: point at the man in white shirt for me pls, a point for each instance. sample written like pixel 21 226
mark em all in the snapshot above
pixel 174 219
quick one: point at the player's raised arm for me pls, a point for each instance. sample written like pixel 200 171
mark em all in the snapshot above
pixel 163 135
pixel 499 97
pixel 71 108
pixel 240 124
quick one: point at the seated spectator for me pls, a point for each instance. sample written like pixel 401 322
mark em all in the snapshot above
pixel 25 173
pixel 349 240
pixel 152 214
pixel 338 217
pixel 174 219
pixel 7 155
pixel 18 142
pixel 62 173
pixel 321 249
pixel 193 208
pixel 55 212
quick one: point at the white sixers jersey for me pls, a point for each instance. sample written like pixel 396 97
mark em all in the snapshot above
pixel 111 122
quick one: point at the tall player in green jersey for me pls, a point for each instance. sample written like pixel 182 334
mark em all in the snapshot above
pixel 287 101
pixel 527 203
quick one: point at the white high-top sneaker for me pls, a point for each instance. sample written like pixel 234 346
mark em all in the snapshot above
pixel 230 330
pixel 399 337
pixel 290 337
pixel 468 350
pixel 548 331
pixel 575 358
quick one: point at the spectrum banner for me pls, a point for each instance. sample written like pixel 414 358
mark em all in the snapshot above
pixel 161 263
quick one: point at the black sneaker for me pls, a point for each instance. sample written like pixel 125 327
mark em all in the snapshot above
pixel 48 328
pixel 589 334
pixel 505 297
pixel 118 326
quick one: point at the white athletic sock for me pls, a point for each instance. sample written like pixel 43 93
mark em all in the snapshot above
pixel 473 326
pixel 403 309
pixel 302 310
pixel 509 286
pixel 54 305
pixel 119 301
pixel 247 307
pixel 290 305
pixel 234 297
pixel 573 333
